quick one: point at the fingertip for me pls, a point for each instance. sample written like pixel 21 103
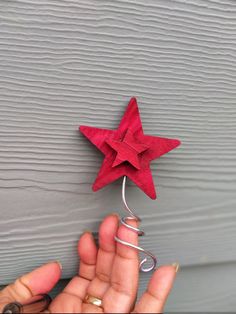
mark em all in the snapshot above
pixel 115 215
pixel 176 267
pixel 107 232
pixel 87 249
pixel 59 264
pixel 110 219
pixel 165 271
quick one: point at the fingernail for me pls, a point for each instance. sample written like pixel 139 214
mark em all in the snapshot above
pixel 59 263
pixel 176 266
pixel 87 231
pixel 115 214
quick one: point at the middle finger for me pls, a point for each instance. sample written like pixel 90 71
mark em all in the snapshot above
pixel 125 274
pixel 105 257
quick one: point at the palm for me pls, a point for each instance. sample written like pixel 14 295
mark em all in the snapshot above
pixel 110 273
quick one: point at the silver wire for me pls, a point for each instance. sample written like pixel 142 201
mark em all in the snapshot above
pixel 124 221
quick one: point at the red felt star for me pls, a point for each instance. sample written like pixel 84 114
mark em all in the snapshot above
pixel 128 152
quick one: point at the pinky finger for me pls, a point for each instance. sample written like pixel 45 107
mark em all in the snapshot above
pixel 159 287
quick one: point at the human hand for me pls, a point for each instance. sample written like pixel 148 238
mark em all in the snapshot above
pixel 109 273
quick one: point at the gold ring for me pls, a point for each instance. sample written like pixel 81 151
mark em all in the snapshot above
pixel 93 300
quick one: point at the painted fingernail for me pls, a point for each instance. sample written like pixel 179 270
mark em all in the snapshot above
pixel 176 266
pixel 59 263
pixel 87 231
pixel 115 214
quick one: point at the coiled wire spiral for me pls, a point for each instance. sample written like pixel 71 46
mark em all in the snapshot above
pixel 124 221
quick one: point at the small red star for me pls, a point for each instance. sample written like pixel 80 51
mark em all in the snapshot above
pixel 128 152
pixel 127 149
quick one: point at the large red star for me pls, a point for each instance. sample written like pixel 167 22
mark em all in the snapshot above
pixel 128 152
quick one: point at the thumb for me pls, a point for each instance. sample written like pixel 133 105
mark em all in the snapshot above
pixel 39 281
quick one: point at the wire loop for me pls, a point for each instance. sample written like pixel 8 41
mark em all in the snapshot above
pixel 124 221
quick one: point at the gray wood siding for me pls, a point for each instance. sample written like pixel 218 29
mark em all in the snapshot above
pixel 67 63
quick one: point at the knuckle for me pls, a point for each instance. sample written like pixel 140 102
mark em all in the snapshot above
pixel 103 277
pixel 118 287
pixel 18 290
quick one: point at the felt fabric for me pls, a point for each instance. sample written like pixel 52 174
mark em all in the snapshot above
pixel 128 151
